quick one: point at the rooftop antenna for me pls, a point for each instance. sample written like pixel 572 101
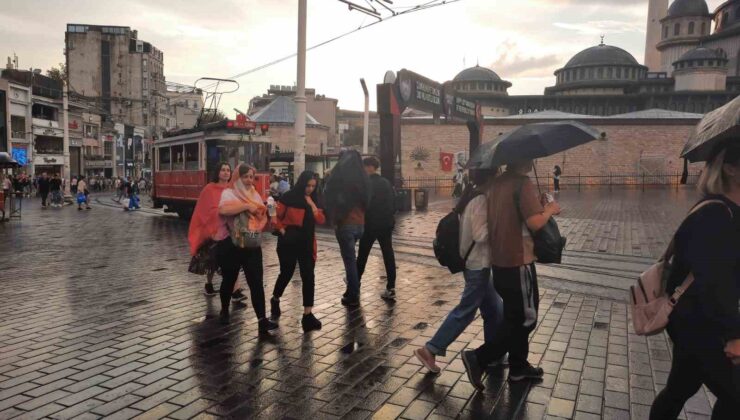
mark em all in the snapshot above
pixel 602 40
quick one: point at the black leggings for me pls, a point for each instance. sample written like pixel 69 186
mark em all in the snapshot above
pixel 232 260
pixel 689 370
pixel 518 289
pixel 289 255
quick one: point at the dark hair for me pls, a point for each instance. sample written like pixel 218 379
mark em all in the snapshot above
pixel 296 196
pixel 348 186
pixel 244 169
pixel 371 161
pixel 217 171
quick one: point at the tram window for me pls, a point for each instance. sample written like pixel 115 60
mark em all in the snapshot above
pixel 178 158
pixel 191 157
pixel 164 158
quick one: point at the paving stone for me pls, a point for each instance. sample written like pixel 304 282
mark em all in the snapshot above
pixel 160 352
pixel 560 408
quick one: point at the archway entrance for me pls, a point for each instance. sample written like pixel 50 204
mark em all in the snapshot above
pixel 410 90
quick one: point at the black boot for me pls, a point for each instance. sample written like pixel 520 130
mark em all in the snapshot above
pixel 275 308
pixel 224 316
pixel 310 323
pixel 266 325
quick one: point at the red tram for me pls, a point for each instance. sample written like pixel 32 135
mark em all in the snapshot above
pixel 184 160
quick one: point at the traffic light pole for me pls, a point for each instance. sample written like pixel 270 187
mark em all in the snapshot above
pixel 299 155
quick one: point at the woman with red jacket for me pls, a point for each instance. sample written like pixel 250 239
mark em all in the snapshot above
pixel 296 219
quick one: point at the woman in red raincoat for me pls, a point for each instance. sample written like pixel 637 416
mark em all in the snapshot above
pixel 206 228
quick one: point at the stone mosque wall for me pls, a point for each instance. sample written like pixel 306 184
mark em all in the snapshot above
pixel 629 147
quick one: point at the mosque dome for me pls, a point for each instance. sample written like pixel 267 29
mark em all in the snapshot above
pixel 683 8
pixel 602 55
pixel 477 74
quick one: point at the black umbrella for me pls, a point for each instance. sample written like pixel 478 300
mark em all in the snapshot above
pixel 532 141
pixel 719 125
pixel 7 162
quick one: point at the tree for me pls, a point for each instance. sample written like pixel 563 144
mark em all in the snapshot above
pixel 58 73
pixel 352 137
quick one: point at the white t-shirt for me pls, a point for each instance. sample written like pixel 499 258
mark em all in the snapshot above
pixel 474 227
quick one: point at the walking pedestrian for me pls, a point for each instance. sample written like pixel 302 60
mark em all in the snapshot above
pixel 44 186
pixel 7 185
pixel 556 177
pixel 207 229
pixel 274 187
pixel 705 324
pixel 347 197
pixel 83 194
pixel 478 292
pixel 514 276
pixel 119 189
pixel 133 195
pixel 379 224
pixel 296 219
pixel 73 185
pixel 246 216
pixel 55 189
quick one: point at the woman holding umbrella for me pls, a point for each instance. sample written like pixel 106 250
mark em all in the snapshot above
pixel 705 324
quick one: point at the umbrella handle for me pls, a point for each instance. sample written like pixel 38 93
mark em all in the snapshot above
pixel 536 178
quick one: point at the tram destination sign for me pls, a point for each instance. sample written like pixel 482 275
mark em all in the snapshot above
pixel 418 92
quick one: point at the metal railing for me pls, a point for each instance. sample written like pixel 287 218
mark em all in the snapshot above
pixel 442 185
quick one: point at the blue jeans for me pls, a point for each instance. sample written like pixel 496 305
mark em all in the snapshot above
pixel 478 293
pixel 347 236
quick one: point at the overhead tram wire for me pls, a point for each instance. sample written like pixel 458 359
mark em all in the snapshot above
pixel 411 9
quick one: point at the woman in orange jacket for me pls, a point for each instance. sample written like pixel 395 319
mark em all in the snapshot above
pixel 295 222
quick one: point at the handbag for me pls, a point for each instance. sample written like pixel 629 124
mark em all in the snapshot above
pixel 651 306
pixel 242 236
pixel 548 242
pixel 204 261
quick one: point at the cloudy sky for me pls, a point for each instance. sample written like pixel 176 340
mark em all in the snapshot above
pixel 524 41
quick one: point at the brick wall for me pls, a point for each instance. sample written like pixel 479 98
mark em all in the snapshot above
pixel 628 148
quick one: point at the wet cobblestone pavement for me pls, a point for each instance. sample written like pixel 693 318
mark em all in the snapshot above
pixel 101 320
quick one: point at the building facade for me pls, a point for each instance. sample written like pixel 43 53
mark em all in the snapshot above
pixel 184 105
pixel 322 109
pixel 111 69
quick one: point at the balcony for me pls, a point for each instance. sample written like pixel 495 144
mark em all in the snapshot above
pixel 18 135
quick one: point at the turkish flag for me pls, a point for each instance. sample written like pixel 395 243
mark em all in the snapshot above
pixel 445 161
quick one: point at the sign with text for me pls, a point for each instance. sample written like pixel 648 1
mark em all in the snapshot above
pixel 418 92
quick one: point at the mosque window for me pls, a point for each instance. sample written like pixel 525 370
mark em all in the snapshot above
pixel 676 29
pixel 589 74
pixel 580 74
pixel 711 63
pixel 665 32
pixel 600 73
pixel 725 18
pixel 691 28
pixel 703 28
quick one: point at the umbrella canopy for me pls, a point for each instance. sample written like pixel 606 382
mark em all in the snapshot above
pixel 7 162
pixel 719 125
pixel 532 141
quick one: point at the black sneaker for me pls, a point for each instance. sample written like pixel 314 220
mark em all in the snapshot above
pixel 389 294
pixel 310 323
pixel 350 302
pixel 210 291
pixel 224 317
pixel 472 368
pixel 238 296
pixel 525 372
pixel 275 308
pixel 266 325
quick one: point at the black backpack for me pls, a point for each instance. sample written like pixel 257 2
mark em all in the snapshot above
pixel 548 243
pixel 447 239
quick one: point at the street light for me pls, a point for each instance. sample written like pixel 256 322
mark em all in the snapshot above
pixel 366 122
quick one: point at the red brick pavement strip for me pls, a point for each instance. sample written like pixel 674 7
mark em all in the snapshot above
pixel 99 318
